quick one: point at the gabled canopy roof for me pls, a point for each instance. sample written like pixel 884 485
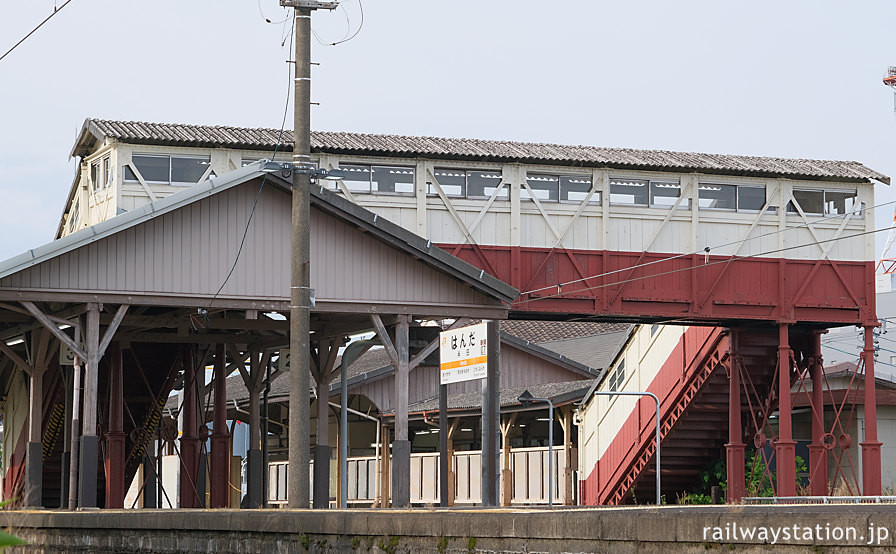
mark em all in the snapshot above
pixel 183 244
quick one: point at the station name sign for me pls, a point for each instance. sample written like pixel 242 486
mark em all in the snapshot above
pixel 463 354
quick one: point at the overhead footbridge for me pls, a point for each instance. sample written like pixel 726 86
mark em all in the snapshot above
pixel 769 250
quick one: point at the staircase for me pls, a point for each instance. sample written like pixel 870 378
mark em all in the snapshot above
pixel 694 416
pixel 677 393
pixel 698 436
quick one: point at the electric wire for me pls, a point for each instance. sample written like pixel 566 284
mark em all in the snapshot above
pixel 360 25
pixel 706 250
pixel 708 264
pixel 55 11
pixel 267 20
pixel 876 362
pixel 345 38
pixel 260 189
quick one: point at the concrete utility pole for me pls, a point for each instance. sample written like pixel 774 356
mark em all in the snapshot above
pixel 300 297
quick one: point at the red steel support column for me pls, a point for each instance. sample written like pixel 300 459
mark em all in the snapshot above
pixel 220 490
pixel 785 448
pixel 871 478
pixel 189 441
pixel 734 450
pixel 115 445
pixel 818 455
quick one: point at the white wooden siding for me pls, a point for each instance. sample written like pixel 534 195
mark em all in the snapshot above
pixel 603 416
pixel 520 222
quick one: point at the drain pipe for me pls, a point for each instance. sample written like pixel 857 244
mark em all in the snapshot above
pixel 264 445
pixel 76 431
pixel 349 355
pixel 657 400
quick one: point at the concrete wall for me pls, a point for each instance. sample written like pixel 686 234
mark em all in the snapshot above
pixel 584 530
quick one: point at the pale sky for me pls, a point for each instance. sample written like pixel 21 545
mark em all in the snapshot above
pixel 791 79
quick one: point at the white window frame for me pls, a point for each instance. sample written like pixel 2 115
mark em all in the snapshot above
pixel 737 202
pixel 370 169
pixel 855 212
pixel 169 157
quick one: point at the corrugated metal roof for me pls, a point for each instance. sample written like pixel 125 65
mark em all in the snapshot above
pixel 176 134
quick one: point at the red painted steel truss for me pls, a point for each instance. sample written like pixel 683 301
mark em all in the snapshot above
pixel 690 287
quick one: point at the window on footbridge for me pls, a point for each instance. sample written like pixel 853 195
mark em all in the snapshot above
pixel 167 169
pixel 741 198
pixel 563 188
pixel 824 202
pixel 468 183
pixel 543 187
pixel 646 192
pixel 378 179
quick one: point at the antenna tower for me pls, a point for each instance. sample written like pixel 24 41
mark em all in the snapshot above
pixel 887 263
pixel 890 81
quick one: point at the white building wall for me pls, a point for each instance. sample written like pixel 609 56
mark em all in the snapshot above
pixel 515 220
pixel 602 417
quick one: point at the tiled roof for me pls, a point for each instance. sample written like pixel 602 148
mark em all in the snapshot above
pixel 175 134
pixel 591 344
pixel 595 351
pixel 546 331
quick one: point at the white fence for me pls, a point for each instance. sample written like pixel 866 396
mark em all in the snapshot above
pixel 529 468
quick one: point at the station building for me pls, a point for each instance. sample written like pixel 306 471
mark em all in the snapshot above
pixel 732 265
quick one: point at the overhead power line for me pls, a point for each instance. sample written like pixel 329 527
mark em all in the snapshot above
pixel 260 189
pixel 16 45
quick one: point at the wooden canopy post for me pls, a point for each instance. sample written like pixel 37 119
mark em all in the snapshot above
pixel 452 487
pixel 34 450
pixel 323 360
pixel 385 468
pixel 253 378
pixel 506 471
pixel 89 451
pixel 569 457
pixel 401 448
pixel 67 375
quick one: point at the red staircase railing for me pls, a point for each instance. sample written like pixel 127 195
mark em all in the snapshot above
pixel 676 391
